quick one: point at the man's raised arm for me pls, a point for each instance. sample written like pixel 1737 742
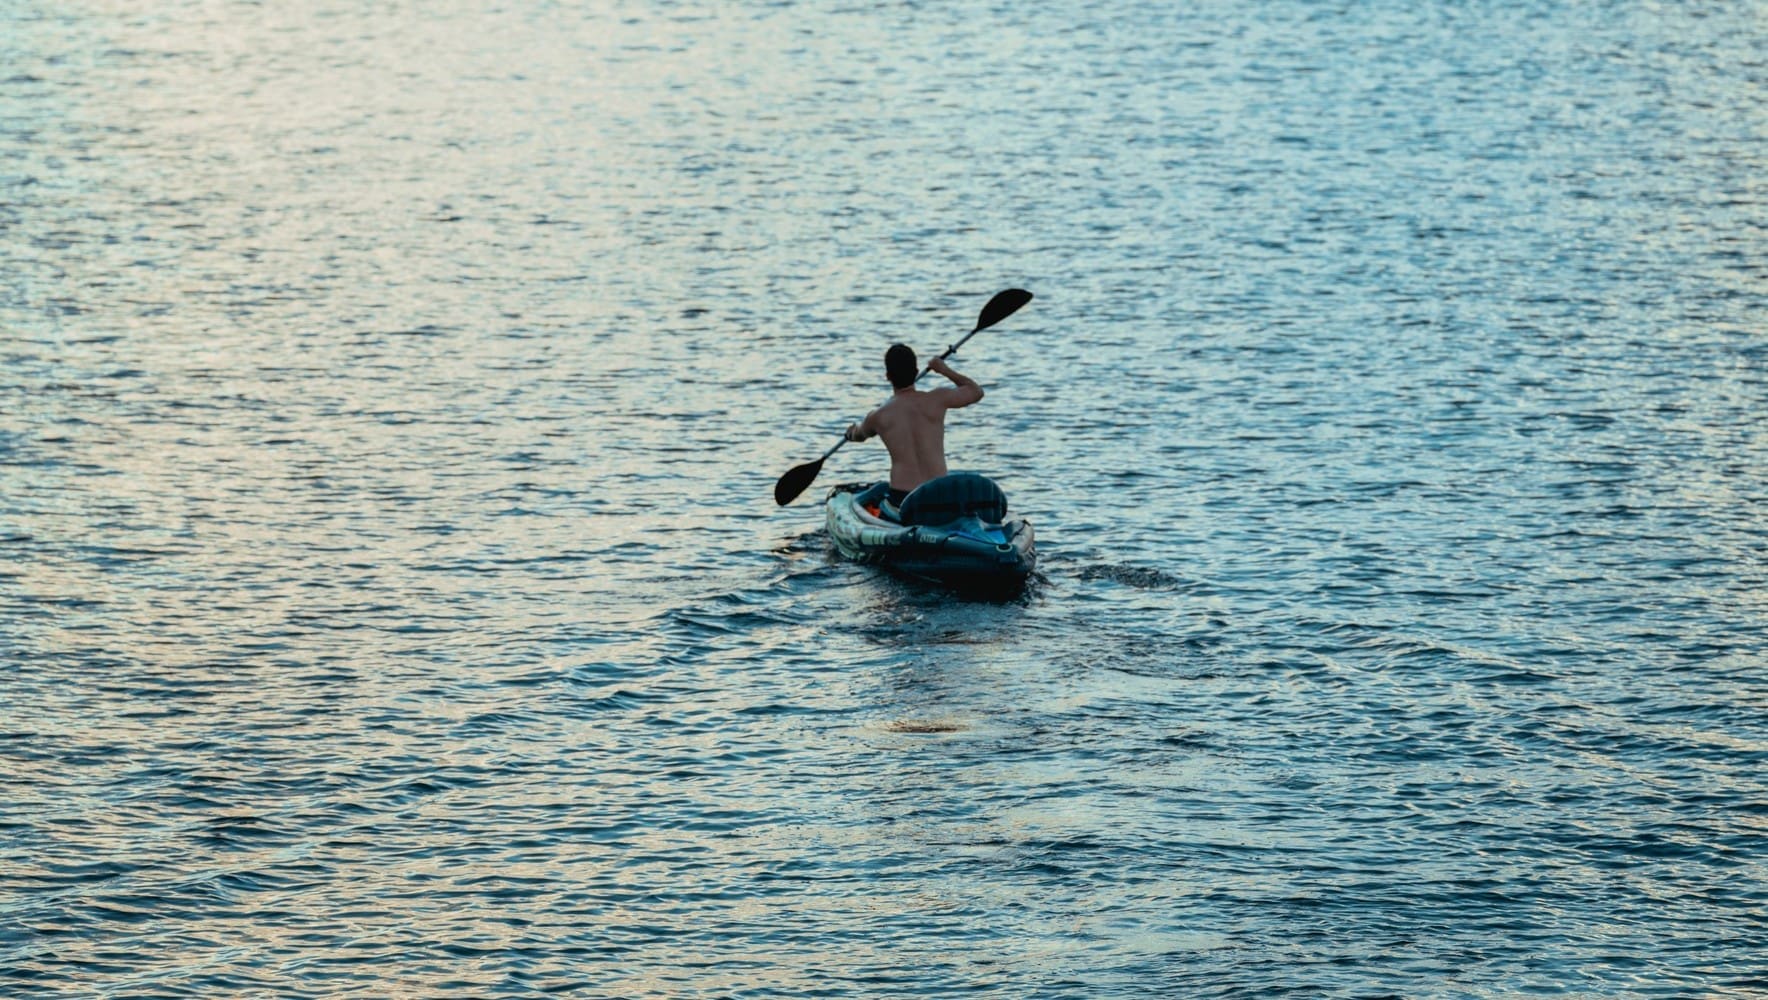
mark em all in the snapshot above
pixel 965 391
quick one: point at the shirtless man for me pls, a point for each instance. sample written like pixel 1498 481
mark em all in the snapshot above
pixel 912 423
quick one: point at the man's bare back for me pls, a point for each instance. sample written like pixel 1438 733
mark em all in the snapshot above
pixel 912 424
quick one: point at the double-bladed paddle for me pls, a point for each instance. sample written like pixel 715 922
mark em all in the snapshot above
pixel 1004 304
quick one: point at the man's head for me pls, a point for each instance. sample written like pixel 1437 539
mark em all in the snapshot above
pixel 899 364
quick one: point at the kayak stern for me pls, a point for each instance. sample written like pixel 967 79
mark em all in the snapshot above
pixel 966 553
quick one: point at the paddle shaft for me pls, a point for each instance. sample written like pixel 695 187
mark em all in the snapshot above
pixel 948 353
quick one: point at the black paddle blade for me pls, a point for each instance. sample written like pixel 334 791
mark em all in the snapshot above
pixel 1004 304
pixel 794 482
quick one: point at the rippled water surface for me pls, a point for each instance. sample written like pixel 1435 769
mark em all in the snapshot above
pixel 392 600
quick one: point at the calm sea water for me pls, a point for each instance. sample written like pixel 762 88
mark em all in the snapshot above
pixel 392 601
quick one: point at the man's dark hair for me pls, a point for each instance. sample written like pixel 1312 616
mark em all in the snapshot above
pixel 899 364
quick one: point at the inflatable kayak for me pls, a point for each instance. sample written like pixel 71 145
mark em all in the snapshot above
pixel 953 530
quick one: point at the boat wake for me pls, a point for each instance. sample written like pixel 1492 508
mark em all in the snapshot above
pixel 1139 577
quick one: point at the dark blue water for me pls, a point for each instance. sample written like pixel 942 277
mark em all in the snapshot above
pixel 392 601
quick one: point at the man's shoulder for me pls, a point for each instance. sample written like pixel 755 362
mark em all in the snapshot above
pixel 942 397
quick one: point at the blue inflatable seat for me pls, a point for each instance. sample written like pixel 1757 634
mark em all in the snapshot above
pixel 961 494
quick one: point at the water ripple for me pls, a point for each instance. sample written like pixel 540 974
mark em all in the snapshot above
pixel 391 601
